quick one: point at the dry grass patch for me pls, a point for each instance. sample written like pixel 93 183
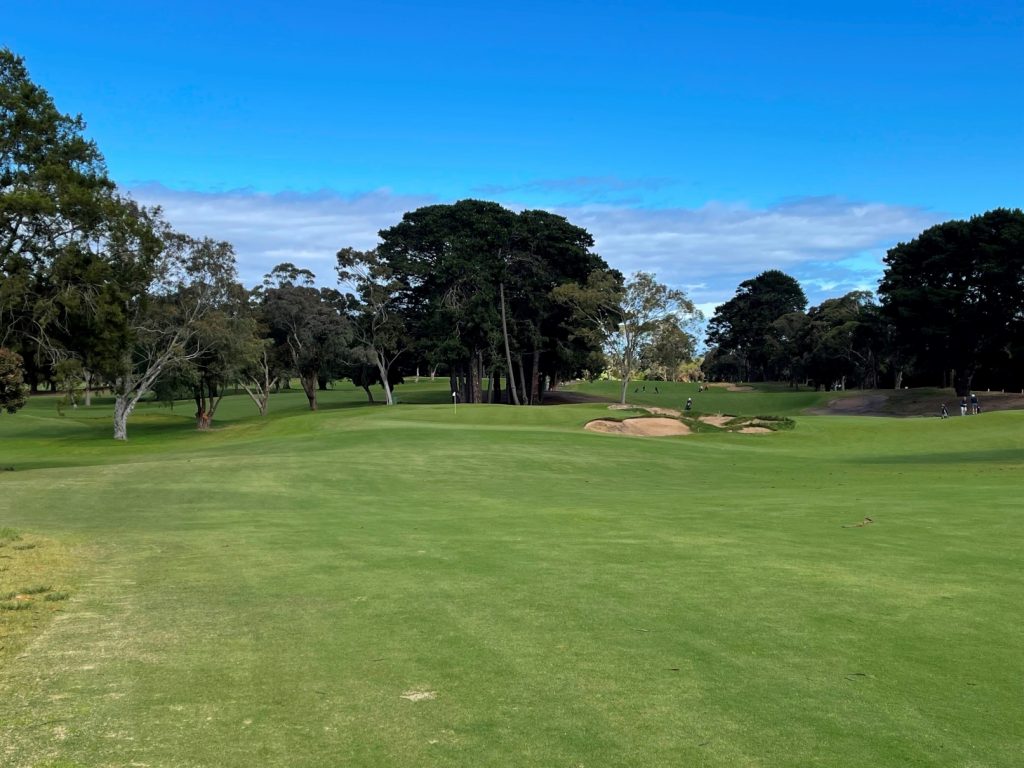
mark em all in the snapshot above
pixel 30 566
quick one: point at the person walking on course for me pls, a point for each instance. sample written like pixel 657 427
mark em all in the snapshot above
pixel 689 404
pixel 945 413
pixel 963 406
pixel 975 407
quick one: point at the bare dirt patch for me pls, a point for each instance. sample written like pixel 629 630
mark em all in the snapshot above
pixel 655 427
pixel 912 402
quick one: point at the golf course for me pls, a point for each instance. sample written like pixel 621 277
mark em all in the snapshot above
pixel 431 584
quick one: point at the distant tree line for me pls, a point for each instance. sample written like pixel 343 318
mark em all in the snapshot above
pixel 100 293
pixel 949 313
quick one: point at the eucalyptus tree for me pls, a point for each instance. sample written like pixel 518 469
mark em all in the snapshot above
pixel 629 317
pixel 230 350
pixel 171 286
pixel 379 326
pixel 308 326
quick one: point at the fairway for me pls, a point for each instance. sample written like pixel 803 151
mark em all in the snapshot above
pixel 415 586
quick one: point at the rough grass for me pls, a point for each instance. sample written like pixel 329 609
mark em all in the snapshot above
pixel 288 591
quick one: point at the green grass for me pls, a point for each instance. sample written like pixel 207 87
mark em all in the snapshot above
pixel 265 593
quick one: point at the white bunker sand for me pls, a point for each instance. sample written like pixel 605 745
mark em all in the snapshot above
pixel 643 427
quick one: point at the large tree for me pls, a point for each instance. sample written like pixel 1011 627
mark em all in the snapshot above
pixel 449 260
pixel 742 329
pixel 378 322
pixel 308 325
pixel 170 289
pixel 55 199
pixel 475 284
pixel 955 298
pixel 840 341
pixel 630 317
pixel 230 351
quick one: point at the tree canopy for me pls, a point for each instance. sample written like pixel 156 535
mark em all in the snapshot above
pixel 742 328
pixel 955 299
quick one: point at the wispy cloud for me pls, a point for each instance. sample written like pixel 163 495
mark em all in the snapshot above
pixel 307 229
pixel 713 248
pixel 831 245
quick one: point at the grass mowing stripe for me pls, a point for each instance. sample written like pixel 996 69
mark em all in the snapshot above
pixel 268 592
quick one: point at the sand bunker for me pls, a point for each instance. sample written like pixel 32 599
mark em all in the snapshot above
pixel 732 387
pixel 716 421
pixel 754 430
pixel 644 427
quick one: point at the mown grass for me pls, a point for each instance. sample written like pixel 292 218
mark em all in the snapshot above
pixel 265 594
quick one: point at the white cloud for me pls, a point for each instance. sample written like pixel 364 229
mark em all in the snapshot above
pixel 306 229
pixel 831 245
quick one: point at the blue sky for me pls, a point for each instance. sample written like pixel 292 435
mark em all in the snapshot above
pixel 704 142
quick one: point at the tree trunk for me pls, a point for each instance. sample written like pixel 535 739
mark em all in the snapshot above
pixel 624 389
pixel 522 382
pixel 508 353
pixel 369 394
pixel 963 382
pixel 123 407
pixel 535 379
pixel 383 370
pixel 475 370
pixel 309 387
pixel 87 378
pixel 899 379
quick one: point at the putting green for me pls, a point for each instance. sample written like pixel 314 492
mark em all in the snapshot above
pixel 414 586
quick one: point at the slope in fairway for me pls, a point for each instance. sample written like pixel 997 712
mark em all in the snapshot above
pixel 411 586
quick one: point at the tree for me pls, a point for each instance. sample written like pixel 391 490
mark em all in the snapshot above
pixel 171 284
pixel 229 351
pixel 839 341
pixel 955 298
pixel 629 317
pixel 54 198
pixel 741 329
pixel 449 261
pixel 546 251
pixel 671 345
pixel 13 392
pixel 379 326
pixel 308 325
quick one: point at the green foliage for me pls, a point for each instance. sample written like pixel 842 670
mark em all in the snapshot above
pixel 308 326
pixel 955 298
pixel 13 391
pixel 743 332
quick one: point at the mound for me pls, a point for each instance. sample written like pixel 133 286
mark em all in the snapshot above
pixel 643 427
